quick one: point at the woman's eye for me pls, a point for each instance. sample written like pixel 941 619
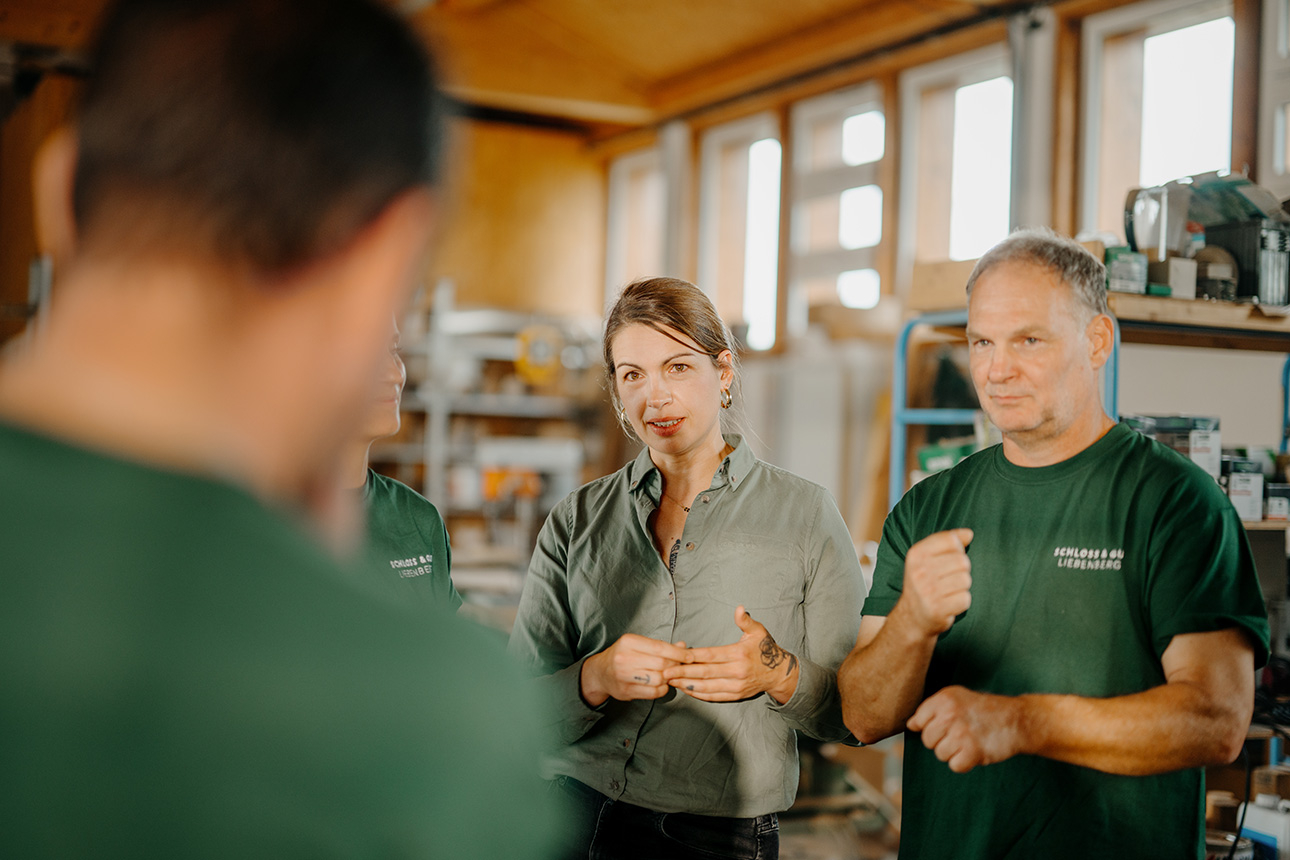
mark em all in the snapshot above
pixel 680 368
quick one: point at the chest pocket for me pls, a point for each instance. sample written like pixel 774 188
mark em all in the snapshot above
pixel 758 572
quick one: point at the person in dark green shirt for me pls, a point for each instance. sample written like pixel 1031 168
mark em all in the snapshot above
pixel 406 554
pixel 1066 624
pixel 185 671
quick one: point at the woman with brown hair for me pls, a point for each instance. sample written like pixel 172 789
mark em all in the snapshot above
pixel 687 613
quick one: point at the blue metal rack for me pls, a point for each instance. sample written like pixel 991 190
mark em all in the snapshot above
pixel 1285 405
pixel 902 417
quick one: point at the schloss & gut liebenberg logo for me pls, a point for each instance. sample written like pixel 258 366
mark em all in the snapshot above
pixel 1088 558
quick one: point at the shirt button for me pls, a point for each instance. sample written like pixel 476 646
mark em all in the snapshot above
pixel 614 785
pixel 690 545
pixel 671 596
pixel 627 742
pixel 705 499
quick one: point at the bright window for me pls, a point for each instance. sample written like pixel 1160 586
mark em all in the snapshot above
pixel 635 228
pixel 1158 106
pixel 840 146
pixel 860 288
pixel 1274 98
pixel 739 226
pixel 981 176
pixel 956 157
pixel 1183 71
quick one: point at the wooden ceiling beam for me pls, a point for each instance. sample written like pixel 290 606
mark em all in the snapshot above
pixel 816 47
pixel 66 26
pixel 556 106
pixel 513 60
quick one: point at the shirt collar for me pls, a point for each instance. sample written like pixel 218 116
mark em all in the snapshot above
pixel 733 469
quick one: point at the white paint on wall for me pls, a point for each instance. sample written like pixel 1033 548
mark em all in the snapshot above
pixel 1242 388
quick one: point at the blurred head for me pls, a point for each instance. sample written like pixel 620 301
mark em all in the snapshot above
pixel 1038 333
pixel 277 156
pixel 670 361
pixel 382 417
pixel 263 134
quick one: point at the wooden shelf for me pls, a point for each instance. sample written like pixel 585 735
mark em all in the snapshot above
pixel 1197 322
pixel 1265 525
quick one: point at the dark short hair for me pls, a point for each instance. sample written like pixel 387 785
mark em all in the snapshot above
pixel 262 132
pixel 1070 261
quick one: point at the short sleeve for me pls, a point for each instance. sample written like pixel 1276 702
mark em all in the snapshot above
pixel 889 568
pixel 1201 574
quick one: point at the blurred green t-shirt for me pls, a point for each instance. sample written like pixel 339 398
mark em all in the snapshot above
pixel 185 674
pixel 408 554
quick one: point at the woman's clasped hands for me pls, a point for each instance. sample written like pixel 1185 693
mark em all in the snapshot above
pixel 638 667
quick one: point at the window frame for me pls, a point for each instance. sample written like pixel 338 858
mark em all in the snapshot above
pixel 960 70
pixel 1154 17
pixel 809 183
pixel 713 140
pixel 616 220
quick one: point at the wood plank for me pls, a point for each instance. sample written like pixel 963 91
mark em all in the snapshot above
pixel 1120 128
pixel 889 182
pixel 524 204
pixel 590 110
pixel 66 30
pixel 1066 127
pixel 1129 307
pixel 844 74
pixel 865 30
pixel 507 59
pixel 1248 17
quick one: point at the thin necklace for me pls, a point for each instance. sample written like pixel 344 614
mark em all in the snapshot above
pixel 685 508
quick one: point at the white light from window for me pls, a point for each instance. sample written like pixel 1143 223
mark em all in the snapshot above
pixel 859 288
pixel 863 137
pixel 761 248
pixel 982 168
pixel 860 217
pixel 1187 101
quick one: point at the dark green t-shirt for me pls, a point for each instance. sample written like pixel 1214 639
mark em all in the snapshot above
pixel 407 545
pixel 185 675
pixel 1082 572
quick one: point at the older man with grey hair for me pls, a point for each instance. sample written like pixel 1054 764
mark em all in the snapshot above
pixel 1067 624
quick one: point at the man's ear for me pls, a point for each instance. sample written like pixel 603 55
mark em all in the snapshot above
pixel 52 175
pixel 1101 338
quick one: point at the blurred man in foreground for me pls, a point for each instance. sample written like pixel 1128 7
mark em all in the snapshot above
pixel 185 673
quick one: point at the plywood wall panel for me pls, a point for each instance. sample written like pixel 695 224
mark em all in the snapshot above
pixel 524 223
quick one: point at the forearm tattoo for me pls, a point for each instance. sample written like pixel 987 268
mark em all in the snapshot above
pixel 772 655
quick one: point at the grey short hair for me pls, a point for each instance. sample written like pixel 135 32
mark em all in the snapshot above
pixel 1069 260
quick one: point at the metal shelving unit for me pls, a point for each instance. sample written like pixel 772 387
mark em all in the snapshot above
pixel 903 417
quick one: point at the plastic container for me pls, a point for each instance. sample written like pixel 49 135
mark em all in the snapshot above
pixel 1262 251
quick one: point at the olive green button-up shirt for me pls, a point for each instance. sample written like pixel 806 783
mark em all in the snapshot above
pixel 758 536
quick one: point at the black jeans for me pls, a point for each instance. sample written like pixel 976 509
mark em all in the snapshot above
pixel 602 829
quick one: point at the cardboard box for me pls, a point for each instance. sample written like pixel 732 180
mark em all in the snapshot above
pixel 1277 504
pixel 1179 273
pixel 1271 779
pixel 940 286
pixel 1196 437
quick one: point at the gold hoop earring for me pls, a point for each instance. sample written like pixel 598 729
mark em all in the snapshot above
pixel 726 398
